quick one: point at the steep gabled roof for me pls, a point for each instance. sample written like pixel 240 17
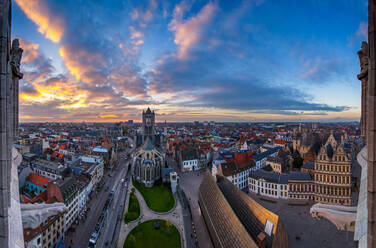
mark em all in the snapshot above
pixel 223 225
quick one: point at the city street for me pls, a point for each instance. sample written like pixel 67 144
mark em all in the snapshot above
pixel 190 183
pixel 189 224
pixel 113 215
pixel 112 180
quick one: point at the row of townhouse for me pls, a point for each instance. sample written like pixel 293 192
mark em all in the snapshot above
pixel 191 159
pixel 48 234
pixel 293 186
pixel 51 232
pixel 260 159
pixel 234 166
pixel 237 173
pixel 46 168
pixel 74 190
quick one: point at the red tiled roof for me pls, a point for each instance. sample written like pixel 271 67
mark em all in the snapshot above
pixel 38 180
pixel 280 142
pixel 243 157
pixel 57 154
pixel 25 199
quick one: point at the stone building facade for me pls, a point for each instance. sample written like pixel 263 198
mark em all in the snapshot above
pixel 333 173
pixel 148 125
pixel 48 234
pixel 269 184
pixel 148 160
pixel 301 186
pixel 147 165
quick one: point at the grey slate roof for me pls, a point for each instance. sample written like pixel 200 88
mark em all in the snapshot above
pixel 242 210
pixel 189 154
pixel 267 153
pixel 299 176
pixel 252 215
pixel 68 188
pixel 271 177
pixel 309 165
pixel 225 229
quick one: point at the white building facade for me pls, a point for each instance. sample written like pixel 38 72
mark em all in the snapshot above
pixel 190 165
pixel 269 184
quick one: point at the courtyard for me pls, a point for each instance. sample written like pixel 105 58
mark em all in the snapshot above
pixel 140 234
pixel 159 198
pixel 153 234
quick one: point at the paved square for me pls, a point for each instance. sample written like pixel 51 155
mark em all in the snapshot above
pixel 305 231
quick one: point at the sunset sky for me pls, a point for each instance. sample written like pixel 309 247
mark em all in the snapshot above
pixel 254 60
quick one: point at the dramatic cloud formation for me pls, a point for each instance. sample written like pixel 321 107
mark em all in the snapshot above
pixel 82 64
pixel 220 60
pixel 49 24
pixel 188 33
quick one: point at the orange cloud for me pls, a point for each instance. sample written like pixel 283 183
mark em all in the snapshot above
pixel 57 90
pixel 25 97
pixel 188 33
pixel 108 116
pixel 50 25
pixel 78 104
pixel 135 34
pixel 30 51
pixel 81 63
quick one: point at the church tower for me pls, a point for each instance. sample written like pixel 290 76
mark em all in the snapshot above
pixel 148 125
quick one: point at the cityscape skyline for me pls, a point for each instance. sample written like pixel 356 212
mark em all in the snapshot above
pixel 258 123
pixel 205 60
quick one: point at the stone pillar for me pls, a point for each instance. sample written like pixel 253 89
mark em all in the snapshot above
pixel 15 63
pixel 364 107
pixel 15 107
pixel 5 152
pixel 363 76
pixel 371 128
pixel 363 118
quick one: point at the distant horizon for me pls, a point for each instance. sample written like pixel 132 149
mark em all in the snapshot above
pixel 177 122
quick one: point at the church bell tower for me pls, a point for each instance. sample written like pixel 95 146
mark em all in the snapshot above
pixel 148 125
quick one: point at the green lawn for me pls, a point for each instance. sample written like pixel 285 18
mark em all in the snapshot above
pixel 133 209
pixel 159 198
pixel 144 235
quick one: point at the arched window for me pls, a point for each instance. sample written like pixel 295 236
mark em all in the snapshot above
pixel 148 174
